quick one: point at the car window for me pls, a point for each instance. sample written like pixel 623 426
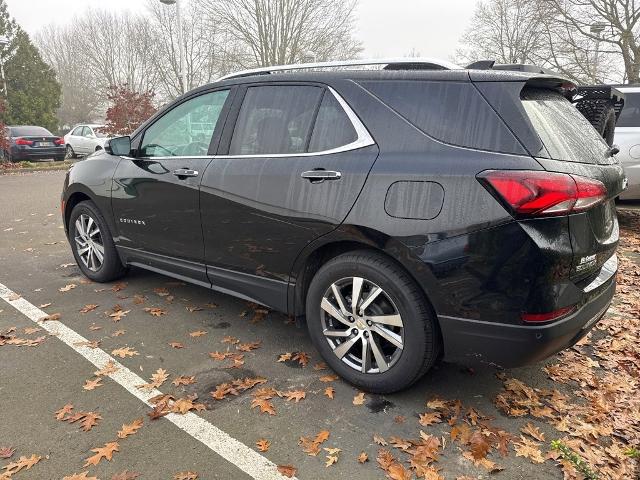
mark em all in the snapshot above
pixel 564 131
pixel 452 112
pixel 27 131
pixel 275 120
pixel 333 128
pixel 185 130
pixel 87 132
pixel 630 115
pixel 77 131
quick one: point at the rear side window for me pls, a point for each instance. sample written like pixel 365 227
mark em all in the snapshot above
pixel 564 131
pixel 77 131
pixel 630 115
pixel 452 112
pixel 275 120
pixel 333 128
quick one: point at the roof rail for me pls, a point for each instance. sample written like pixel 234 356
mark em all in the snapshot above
pixel 419 63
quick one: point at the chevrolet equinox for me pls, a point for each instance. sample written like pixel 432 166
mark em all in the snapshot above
pixel 408 213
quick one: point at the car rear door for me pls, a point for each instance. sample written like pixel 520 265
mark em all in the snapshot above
pixel 155 197
pixel 293 161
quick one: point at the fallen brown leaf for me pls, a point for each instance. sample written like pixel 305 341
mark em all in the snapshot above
pixel 131 428
pixel 263 445
pixel 288 471
pixel 105 452
pixel 359 399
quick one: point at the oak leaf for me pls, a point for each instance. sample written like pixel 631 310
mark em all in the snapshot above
pixel 263 445
pixel 265 405
pixel 197 333
pixel 108 369
pixel 320 366
pixel 124 352
pixel 328 378
pixel 284 357
pixel 89 308
pixel 64 411
pixel 118 315
pixel 430 418
pixel 185 476
pixel 295 395
pixel 184 380
pixel 377 439
pixel 52 317
pixel 302 358
pixel 529 449
pixel 23 463
pixel 480 445
pixel 87 420
pixel 247 347
pixel 155 312
pixel 117 333
pixel 363 457
pixel 105 452
pixel 359 399
pixel 176 345
pixel 7 452
pixel 330 392
pixel 157 379
pixel 288 471
pixel 130 429
pixel 92 384
pixel 66 288
pixel 533 431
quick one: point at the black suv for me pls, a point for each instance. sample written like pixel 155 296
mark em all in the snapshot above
pixel 409 212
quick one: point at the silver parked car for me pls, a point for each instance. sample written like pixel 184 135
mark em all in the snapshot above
pixel 627 139
pixel 84 139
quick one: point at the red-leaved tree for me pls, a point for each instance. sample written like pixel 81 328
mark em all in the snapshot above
pixel 128 109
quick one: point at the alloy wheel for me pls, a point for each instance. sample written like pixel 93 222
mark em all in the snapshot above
pixel 68 152
pixel 362 325
pixel 89 244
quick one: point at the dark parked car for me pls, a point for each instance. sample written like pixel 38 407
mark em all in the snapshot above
pixel 27 142
pixel 408 213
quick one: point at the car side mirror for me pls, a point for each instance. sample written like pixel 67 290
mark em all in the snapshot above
pixel 120 146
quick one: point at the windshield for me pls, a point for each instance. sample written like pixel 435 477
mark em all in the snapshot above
pixel 630 115
pixel 564 131
pixel 29 131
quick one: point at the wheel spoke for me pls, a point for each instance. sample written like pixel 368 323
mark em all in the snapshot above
pixel 81 242
pixel 342 349
pixel 339 299
pixel 94 232
pixel 83 250
pixel 392 320
pixel 89 225
pixel 336 333
pixel 381 361
pixel 355 294
pixel 369 300
pixel 99 252
pixel 328 307
pixel 80 227
pixel 388 335
pixel 366 355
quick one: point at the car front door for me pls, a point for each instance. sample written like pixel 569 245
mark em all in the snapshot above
pixel 155 195
pixel 76 140
pixel 290 171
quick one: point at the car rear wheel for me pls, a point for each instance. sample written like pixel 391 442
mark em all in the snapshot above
pixel 371 322
pixel 92 244
pixel 70 153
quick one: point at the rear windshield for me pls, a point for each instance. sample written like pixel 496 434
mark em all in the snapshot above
pixel 29 131
pixel 630 115
pixel 564 131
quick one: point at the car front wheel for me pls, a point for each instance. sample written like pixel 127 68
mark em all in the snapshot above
pixel 371 322
pixel 92 244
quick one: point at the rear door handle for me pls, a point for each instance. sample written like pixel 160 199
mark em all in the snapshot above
pixel 317 176
pixel 185 172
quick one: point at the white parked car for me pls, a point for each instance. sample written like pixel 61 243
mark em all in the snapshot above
pixel 627 139
pixel 84 139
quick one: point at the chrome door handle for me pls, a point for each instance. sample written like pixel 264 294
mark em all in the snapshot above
pixel 317 176
pixel 185 172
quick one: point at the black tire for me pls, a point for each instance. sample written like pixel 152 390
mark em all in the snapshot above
pixel 111 267
pixel 421 339
pixel 70 154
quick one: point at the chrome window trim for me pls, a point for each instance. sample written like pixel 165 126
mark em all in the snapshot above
pixel 364 139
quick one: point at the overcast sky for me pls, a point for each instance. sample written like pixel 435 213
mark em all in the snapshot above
pixel 386 27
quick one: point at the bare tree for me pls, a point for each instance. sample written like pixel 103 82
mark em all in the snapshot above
pixel 272 32
pixel 535 32
pixel 619 19
pixel 507 31
pixel 80 101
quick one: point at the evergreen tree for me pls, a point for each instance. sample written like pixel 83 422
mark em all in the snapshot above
pixel 33 93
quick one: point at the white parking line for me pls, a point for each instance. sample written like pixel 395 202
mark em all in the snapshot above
pixel 232 450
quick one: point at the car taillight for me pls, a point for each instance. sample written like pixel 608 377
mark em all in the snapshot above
pixel 23 141
pixel 59 141
pixel 541 194
pixel 547 316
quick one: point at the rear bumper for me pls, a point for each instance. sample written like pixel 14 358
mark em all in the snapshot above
pixel 37 154
pixel 517 345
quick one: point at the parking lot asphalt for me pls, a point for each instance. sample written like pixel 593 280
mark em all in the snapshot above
pixel 36 381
